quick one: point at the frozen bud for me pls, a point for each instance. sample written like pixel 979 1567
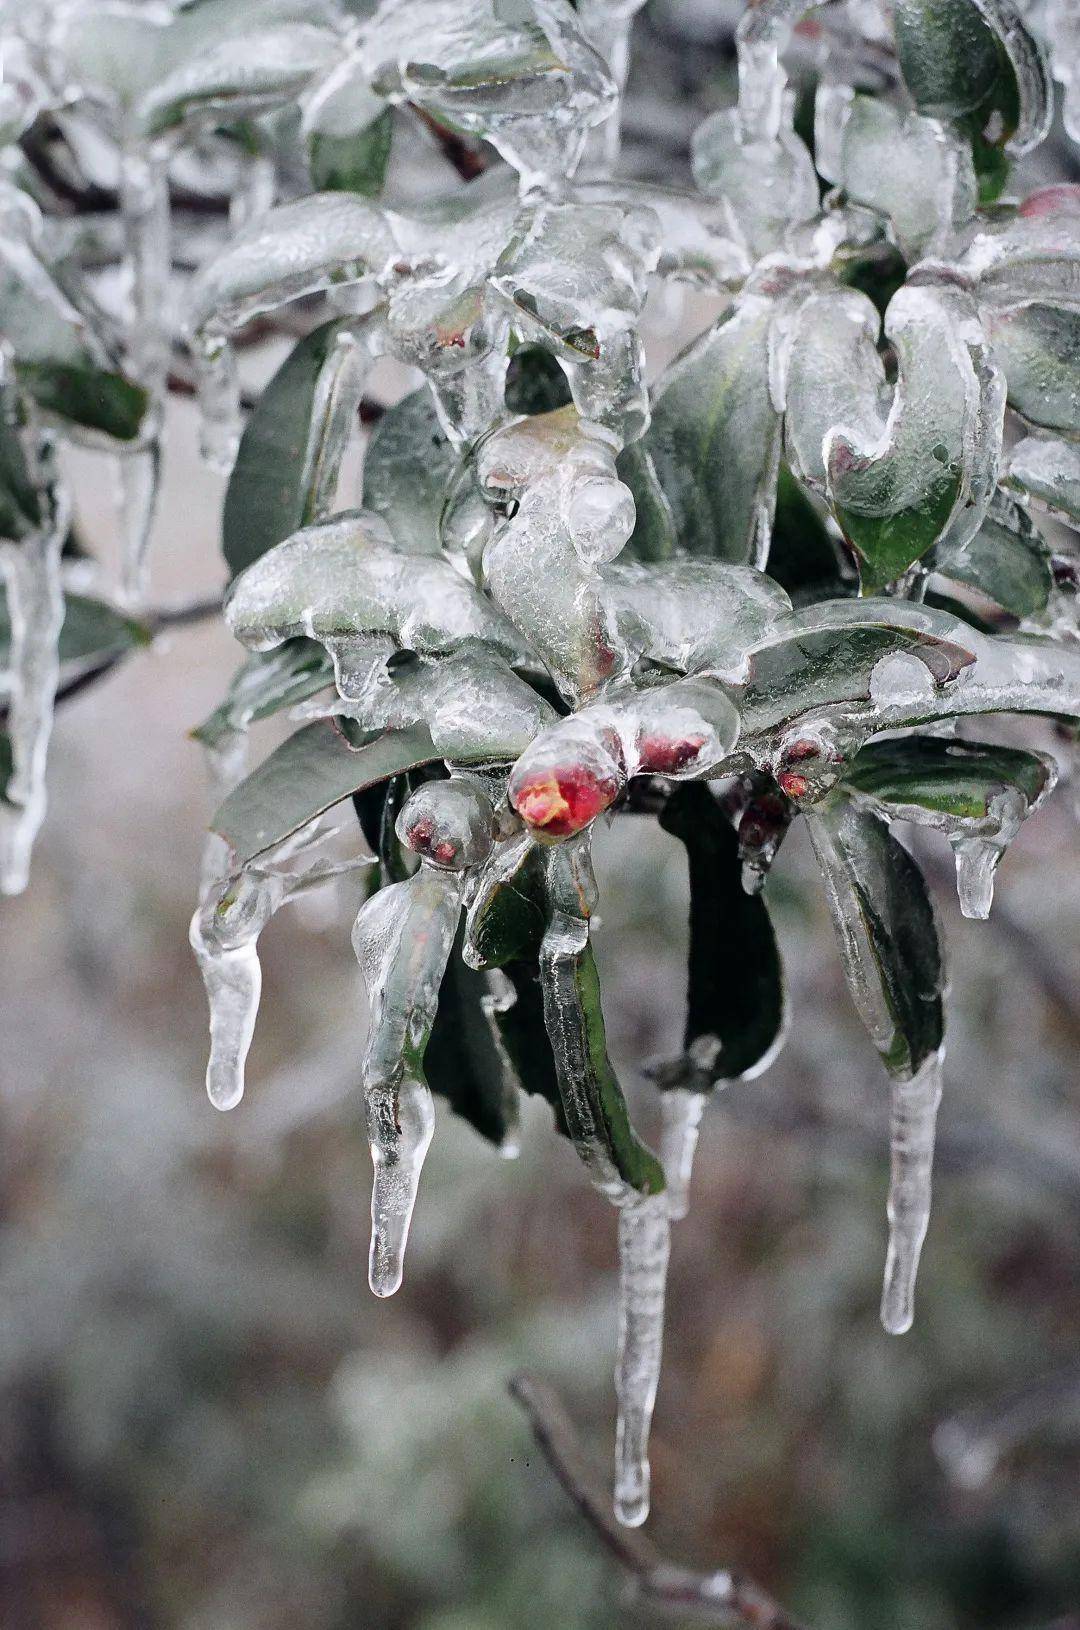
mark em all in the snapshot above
pixel 809 762
pixel 567 777
pixel 601 515
pixel 449 823
pixel 683 729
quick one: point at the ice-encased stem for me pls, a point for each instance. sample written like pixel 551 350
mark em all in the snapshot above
pixel 681 1111
pixel 35 598
pixel 913 1119
pixel 644 1241
pixel 144 207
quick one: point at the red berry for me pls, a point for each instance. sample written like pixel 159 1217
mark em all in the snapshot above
pixel 796 786
pixel 667 755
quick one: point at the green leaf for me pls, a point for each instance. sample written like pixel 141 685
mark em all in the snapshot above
pixel 353 163
pixel 887 932
pixel 506 922
pixel 292 445
pixel 956 779
pixel 714 440
pixel 308 774
pixel 408 464
pixel 826 655
pixel 88 396
pixel 534 382
pixel 1007 560
pixel 975 62
pixel 521 1032
pixel 20 507
pixel 736 1010
pixel 463 1061
pixel 264 684
pixel 804 558
pixel 592 1099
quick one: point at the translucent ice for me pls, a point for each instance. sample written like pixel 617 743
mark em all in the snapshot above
pixel 913 1119
pixel 402 939
pixel 644 1243
pixel 767 185
pixel 681 1110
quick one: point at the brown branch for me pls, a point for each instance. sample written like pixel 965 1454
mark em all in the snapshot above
pixel 715 1597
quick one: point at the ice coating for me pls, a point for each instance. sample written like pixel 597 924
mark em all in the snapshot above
pixel 606 25
pixel 1049 472
pixel 144 204
pixel 526 80
pixel 913 1118
pixel 681 1110
pixel 224 936
pixel 449 823
pixel 577 768
pixel 644 1244
pixel 596 1119
pixel 31 575
pixel 402 939
pixel 346 583
pixel 1062 27
pixel 767 185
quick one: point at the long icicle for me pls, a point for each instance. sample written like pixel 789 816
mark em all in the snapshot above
pixel 644 1243
pixel 913 1119
pixel 681 1111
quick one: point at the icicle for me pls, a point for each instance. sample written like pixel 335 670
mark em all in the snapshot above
pixel 681 1110
pixel 233 983
pixel 218 389
pixel 31 573
pixel 138 473
pixel 914 1115
pixel 224 935
pixel 402 939
pixel 976 863
pixel 644 1241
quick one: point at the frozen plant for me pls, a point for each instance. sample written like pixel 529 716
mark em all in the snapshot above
pixel 782 579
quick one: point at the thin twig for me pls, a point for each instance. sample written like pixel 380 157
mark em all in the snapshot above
pixel 715 1597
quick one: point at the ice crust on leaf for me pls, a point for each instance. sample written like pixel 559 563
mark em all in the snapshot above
pixel 1049 472
pixel 767 185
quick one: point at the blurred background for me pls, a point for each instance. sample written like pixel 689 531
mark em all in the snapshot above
pixel 208 1423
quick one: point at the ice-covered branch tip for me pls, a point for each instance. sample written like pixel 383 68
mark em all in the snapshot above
pixel 711 1598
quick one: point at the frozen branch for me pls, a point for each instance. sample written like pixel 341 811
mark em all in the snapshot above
pixel 716 1598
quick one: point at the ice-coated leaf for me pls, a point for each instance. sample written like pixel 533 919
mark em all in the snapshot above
pixel 522 77
pixel 591 1096
pixel 296 249
pixel 714 440
pixel 975 61
pixel 911 169
pixel 767 185
pixel 827 654
pixel 1038 348
pixel 1049 472
pixel 887 932
pixel 61 361
pixel 344 582
pixel 264 684
pixel 1007 560
pixel 505 919
pixel 308 774
pixel 239 76
pixel 517 1021
pixel 575 275
pixel 736 1009
pixel 977 795
pixel 897 485
pixel 286 469
pixel 957 779
pixel 694 616
pixel 827 366
pixel 463 1062
pixel 408 463
pixel 348 130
